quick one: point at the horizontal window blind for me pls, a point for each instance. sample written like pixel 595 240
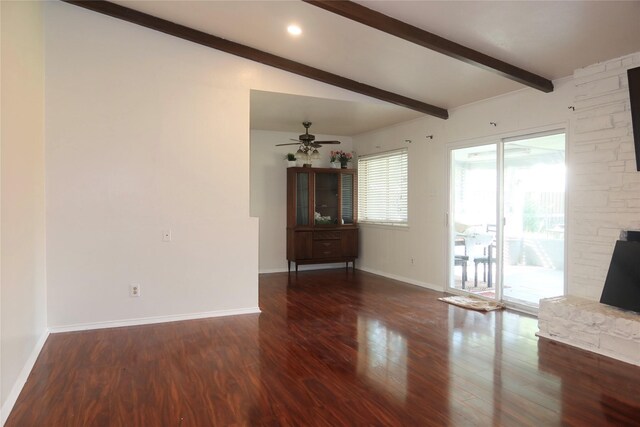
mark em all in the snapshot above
pixel 382 187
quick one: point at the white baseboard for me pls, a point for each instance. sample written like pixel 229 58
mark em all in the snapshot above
pixel 151 320
pixel 402 279
pixel 22 378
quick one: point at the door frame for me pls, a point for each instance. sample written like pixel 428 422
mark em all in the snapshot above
pixel 450 223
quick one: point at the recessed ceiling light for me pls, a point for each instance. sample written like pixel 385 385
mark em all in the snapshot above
pixel 294 30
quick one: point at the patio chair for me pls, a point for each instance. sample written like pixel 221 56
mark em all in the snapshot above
pixel 461 260
pixel 487 260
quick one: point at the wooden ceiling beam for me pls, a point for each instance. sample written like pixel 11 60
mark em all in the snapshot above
pixel 233 48
pixel 389 25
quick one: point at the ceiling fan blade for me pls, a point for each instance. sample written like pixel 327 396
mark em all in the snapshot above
pixel 308 139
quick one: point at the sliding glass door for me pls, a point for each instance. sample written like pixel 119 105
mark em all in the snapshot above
pixel 473 219
pixel 534 194
pixel 519 259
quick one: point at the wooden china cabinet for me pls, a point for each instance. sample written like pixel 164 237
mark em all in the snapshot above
pixel 322 225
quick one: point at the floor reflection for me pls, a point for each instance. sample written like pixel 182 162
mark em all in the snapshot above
pixel 610 386
pixel 382 357
pixel 494 354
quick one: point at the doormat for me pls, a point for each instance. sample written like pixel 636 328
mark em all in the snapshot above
pixel 473 303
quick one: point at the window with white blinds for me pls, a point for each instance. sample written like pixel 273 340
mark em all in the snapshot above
pixel 382 188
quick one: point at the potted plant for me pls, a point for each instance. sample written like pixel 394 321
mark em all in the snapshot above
pixel 340 157
pixel 333 160
pixel 291 160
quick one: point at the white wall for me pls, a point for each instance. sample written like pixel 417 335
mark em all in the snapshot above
pixel 269 192
pixel 389 250
pixel 603 185
pixel 146 132
pixel 22 281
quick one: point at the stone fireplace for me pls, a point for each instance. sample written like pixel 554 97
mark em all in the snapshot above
pixel 604 198
pixel 592 326
pixel 610 327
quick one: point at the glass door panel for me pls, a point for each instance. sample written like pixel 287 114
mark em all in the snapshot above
pixel 534 194
pixel 473 219
pixel 326 210
pixel 302 199
pixel 347 199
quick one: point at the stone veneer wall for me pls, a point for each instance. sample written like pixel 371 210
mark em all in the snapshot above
pixel 604 198
pixel 604 186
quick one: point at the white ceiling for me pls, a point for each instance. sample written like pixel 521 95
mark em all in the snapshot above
pixel 549 38
pixel 285 112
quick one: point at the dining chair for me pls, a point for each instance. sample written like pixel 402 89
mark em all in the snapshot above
pixel 487 260
pixel 461 261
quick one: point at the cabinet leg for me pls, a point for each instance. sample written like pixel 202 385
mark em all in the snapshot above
pixel 296 267
pixel 289 266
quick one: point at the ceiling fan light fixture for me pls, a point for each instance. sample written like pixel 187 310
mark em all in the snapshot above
pixel 315 154
pixel 294 30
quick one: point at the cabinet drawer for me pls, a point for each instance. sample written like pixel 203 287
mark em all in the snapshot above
pixel 326 235
pixel 327 248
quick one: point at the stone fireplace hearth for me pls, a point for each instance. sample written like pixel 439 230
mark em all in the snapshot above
pixel 591 326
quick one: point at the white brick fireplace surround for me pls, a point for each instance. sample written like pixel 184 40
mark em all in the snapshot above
pixel 604 186
pixel 591 326
pixel 604 198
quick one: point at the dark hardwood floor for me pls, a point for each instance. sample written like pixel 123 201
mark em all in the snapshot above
pixel 330 348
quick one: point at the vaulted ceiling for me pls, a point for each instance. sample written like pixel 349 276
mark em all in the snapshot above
pixel 547 38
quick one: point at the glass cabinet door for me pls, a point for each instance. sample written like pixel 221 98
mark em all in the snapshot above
pixel 326 192
pixel 347 198
pixel 302 199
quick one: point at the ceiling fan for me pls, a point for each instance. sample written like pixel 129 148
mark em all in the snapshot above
pixel 308 141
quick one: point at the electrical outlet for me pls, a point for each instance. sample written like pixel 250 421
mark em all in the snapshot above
pixel 134 290
pixel 166 235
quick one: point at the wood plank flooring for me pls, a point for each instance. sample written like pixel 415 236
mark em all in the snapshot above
pixel 330 348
